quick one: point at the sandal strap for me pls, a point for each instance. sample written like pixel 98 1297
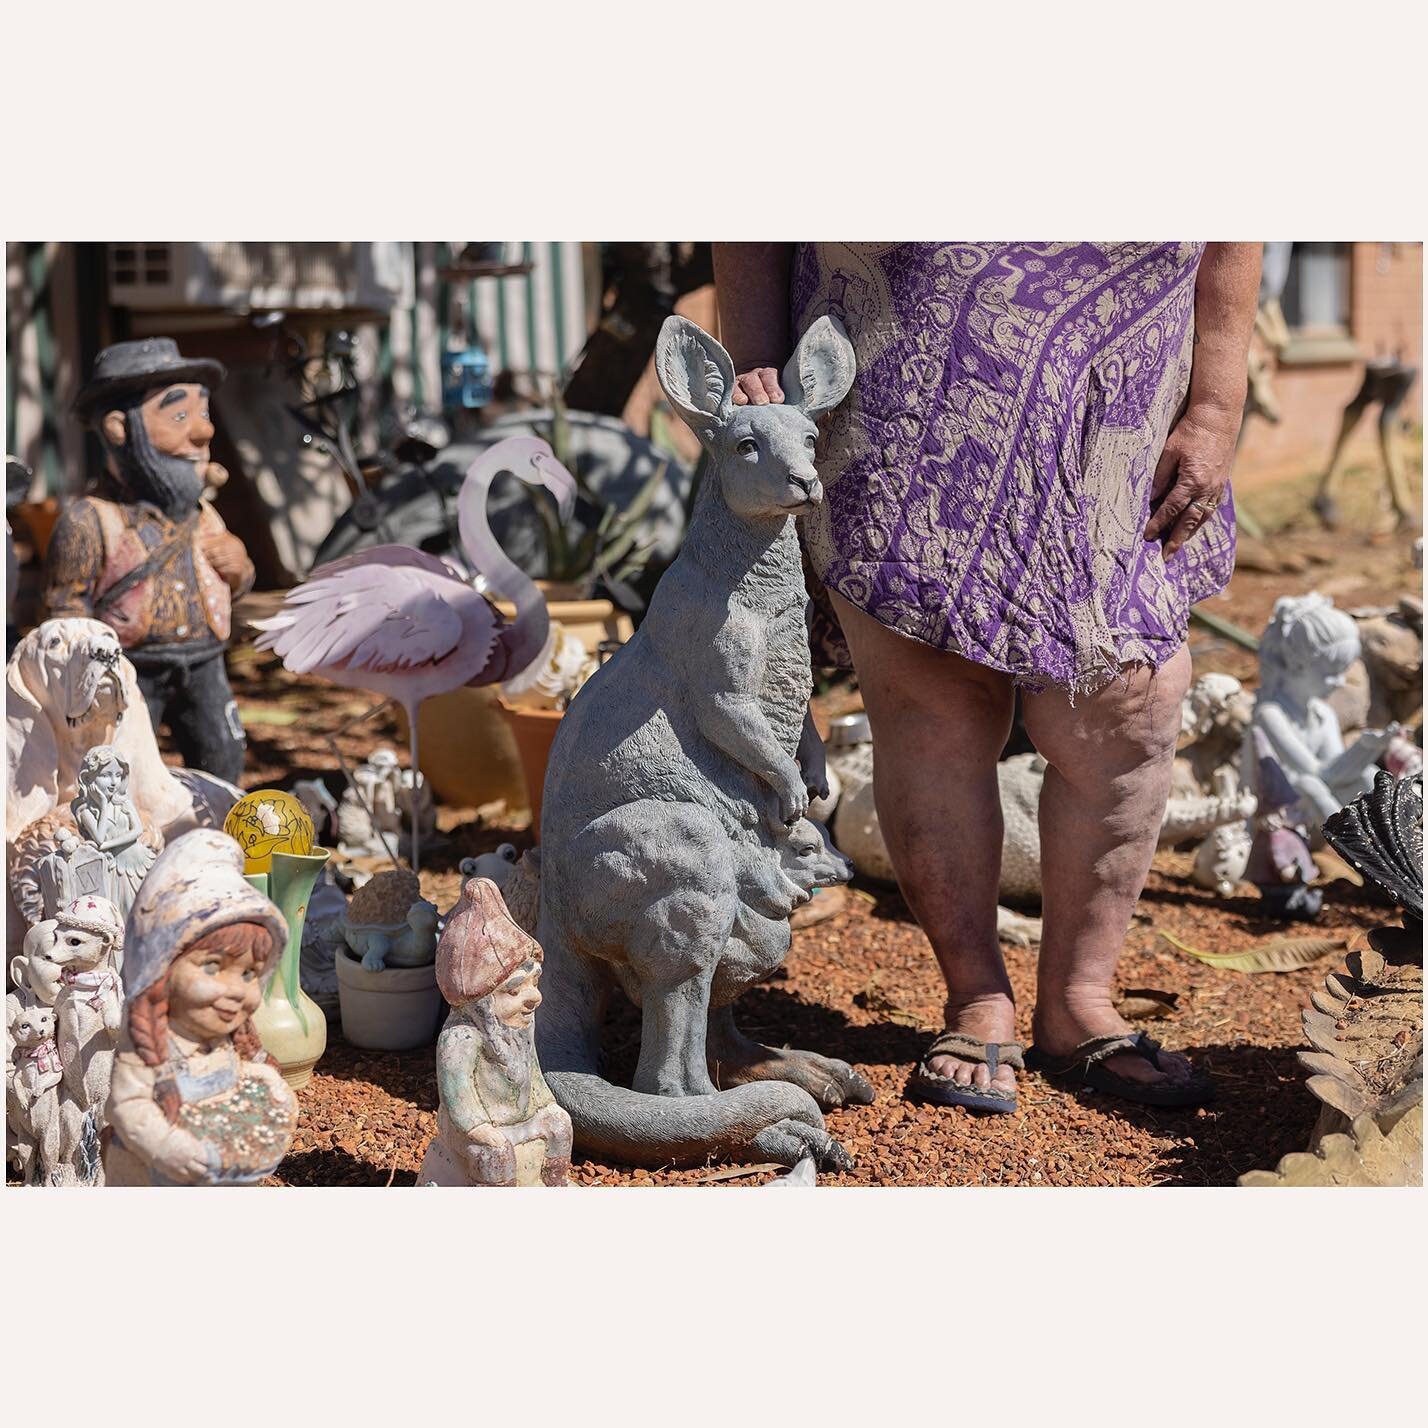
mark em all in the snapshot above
pixel 1100 1048
pixel 971 1048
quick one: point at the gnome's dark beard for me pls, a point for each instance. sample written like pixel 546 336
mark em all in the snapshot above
pixel 169 482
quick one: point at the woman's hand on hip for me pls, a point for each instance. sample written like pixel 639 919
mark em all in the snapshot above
pixel 1192 474
pixel 757 387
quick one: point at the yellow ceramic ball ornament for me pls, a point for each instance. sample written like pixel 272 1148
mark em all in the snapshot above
pixel 265 822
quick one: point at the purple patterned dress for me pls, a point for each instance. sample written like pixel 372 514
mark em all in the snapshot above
pixel 989 477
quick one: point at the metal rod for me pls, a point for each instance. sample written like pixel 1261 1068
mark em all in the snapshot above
pixel 416 793
pixel 352 782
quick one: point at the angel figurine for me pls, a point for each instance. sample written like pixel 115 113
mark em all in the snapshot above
pixel 105 816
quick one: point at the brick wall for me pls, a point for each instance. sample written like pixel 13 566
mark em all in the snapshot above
pixel 1386 319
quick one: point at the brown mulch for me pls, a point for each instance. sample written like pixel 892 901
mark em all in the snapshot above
pixel 863 985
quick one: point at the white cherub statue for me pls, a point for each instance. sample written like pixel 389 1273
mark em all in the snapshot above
pixel 1303 655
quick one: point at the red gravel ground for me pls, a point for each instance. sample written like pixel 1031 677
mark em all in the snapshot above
pixel 863 985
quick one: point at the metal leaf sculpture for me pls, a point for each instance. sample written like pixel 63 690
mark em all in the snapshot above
pixel 1381 834
pixel 1366 1070
pixel 1366 1025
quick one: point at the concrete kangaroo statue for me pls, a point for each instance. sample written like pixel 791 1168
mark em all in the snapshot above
pixel 675 800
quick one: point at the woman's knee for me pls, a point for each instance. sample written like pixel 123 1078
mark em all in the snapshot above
pixel 1131 723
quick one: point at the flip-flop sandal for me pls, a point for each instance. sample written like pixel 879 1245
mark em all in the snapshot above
pixel 926 1085
pixel 1084 1066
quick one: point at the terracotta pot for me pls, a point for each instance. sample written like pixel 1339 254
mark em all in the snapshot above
pixel 36 521
pixel 591 620
pixel 470 752
pixel 396 1009
pixel 534 731
pixel 292 1026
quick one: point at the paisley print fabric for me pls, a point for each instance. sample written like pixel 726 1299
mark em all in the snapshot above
pixel 989 477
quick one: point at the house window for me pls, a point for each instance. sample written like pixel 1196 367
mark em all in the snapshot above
pixel 1316 291
pixel 1316 304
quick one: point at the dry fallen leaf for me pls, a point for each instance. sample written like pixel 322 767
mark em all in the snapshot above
pixel 875 999
pixel 1146 1004
pixel 733 1172
pixel 1280 954
pixel 1332 867
pixel 250 714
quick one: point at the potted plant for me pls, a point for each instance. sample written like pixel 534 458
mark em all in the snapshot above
pixel 386 974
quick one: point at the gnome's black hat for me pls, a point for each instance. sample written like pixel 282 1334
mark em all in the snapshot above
pixel 129 369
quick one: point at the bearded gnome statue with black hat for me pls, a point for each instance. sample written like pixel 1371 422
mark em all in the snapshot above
pixel 147 554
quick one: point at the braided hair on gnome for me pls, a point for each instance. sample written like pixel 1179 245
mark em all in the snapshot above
pixel 195 892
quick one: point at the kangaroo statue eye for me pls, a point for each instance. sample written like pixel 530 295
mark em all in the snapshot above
pixel 748 446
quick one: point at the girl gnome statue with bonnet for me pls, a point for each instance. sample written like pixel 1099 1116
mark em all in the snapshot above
pixel 194 1099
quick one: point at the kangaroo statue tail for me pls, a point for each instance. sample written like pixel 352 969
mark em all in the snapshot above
pixel 765 1120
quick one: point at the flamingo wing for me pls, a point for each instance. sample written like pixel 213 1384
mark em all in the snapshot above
pixel 387 556
pixel 387 610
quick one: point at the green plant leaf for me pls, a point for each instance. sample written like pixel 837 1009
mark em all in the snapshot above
pixel 559 428
pixel 1226 629
pixel 1280 954
pixel 635 565
pixel 619 548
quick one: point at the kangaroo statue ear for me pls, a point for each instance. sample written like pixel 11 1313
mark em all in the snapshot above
pixel 696 373
pixel 820 372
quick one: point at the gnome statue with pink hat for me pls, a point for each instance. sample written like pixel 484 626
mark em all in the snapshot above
pixel 498 1123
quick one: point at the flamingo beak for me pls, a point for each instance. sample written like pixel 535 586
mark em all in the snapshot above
pixel 549 472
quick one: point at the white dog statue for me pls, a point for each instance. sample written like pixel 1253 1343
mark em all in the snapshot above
pixel 68 688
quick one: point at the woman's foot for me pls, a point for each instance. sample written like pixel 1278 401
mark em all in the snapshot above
pixel 1058 1029
pixel 988 1018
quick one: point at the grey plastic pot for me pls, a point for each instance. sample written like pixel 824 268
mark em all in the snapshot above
pixel 396 1009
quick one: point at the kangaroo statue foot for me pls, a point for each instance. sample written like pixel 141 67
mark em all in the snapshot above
pixel 736 1060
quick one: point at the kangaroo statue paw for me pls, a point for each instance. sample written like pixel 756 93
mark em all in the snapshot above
pixel 737 1060
pixel 832 1083
pixel 789 1142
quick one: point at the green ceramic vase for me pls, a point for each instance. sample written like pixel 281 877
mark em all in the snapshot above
pixel 291 1024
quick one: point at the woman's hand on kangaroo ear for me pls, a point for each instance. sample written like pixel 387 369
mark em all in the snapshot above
pixel 758 387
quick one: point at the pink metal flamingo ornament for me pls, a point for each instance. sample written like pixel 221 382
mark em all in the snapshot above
pixel 405 625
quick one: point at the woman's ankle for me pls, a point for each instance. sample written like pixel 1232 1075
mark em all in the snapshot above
pixel 1073 1013
pixel 997 1004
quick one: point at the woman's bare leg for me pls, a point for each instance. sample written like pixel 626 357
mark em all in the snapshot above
pixel 939 722
pixel 1108 775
